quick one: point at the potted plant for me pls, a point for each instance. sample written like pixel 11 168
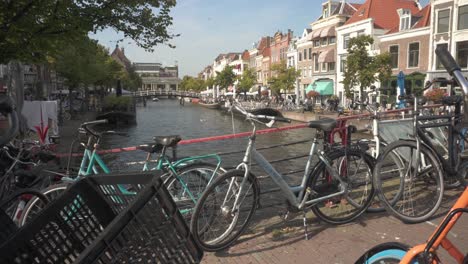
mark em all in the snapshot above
pixel 435 95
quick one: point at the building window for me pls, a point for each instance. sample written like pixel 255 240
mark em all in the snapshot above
pixel 310 53
pixel 316 63
pixel 413 55
pixel 331 66
pixel 405 19
pixel 332 40
pixel 324 42
pixel 345 41
pixel 305 54
pixel 439 65
pixel 462 54
pixel 317 43
pixel 310 71
pixel 463 17
pixel 394 57
pixel 443 21
pixel 343 64
pixel 324 67
pixel 300 56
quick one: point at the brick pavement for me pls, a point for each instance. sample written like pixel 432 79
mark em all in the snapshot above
pixel 272 240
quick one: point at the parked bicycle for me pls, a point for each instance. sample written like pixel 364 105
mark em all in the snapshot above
pixel 338 188
pixel 411 188
pixel 185 178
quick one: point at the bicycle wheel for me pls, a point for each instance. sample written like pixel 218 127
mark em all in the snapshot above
pixel 376 206
pixel 188 184
pixel 386 253
pixel 411 191
pixel 463 174
pixel 355 168
pixel 35 205
pixel 215 223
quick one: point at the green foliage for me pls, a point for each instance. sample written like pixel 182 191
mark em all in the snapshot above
pixel 131 80
pixel 120 103
pixel 226 77
pixel 192 84
pixel 32 30
pixel 210 82
pixel 283 77
pixel 247 80
pixel 362 69
pixel 86 62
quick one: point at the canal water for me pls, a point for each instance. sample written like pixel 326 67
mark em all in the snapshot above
pixel 168 117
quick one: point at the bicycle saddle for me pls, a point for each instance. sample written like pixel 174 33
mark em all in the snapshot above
pixel 150 148
pixel 167 141
pixel 326 124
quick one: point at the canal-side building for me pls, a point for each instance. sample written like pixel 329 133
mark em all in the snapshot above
pixel 374 18
pixel 223 60
pixel 262 60
pixel 408 45
pixel 304 59
pixel 449 28
pixel 291 56
pixel 240 62
pixel 322 53
pixel 156 77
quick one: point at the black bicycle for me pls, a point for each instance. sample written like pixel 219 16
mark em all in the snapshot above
pixel 429 160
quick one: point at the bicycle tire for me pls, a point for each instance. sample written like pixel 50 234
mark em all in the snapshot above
pixel 228 235
pixel 35 205
pixel 186 201
pixel 463 173
pixel 402 183
pixel 386 253
pixel 376 206
pixel 343 207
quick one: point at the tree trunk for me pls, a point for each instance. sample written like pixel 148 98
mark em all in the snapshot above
pixel 16 89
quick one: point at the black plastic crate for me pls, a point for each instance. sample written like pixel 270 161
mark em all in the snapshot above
pixel 125 218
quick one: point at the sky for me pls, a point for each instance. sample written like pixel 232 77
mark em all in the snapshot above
pixel 210 27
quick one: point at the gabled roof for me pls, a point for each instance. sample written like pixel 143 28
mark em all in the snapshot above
pixel 119 56
pixel 418 20
pixel 384 12
pixel 264 43
pixel 245 55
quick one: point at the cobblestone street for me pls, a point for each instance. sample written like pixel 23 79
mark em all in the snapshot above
pixel 277 241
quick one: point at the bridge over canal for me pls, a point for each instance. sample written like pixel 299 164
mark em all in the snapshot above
pixel 164 93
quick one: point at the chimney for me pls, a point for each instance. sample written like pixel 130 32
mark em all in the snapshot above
pixel 123 50
pixel 418 4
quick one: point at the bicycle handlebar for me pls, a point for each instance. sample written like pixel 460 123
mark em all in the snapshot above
pixel 86 126
pixel 452 68
pixel 447 60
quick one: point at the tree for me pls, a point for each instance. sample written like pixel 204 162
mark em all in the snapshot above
pixel 284 77
pixel 31 30
pixel 247 80
pixel 192 84
pixel 362 69
pixel 226 77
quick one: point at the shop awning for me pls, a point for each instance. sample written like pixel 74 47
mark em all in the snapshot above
pixel 324 87
pixel 316 33
pixel 327 56
pixel 328 32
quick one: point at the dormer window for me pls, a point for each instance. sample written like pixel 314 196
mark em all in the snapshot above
pixel 325 13
pixel 405 19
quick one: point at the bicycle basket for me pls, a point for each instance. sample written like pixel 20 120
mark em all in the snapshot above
pixel 119 218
